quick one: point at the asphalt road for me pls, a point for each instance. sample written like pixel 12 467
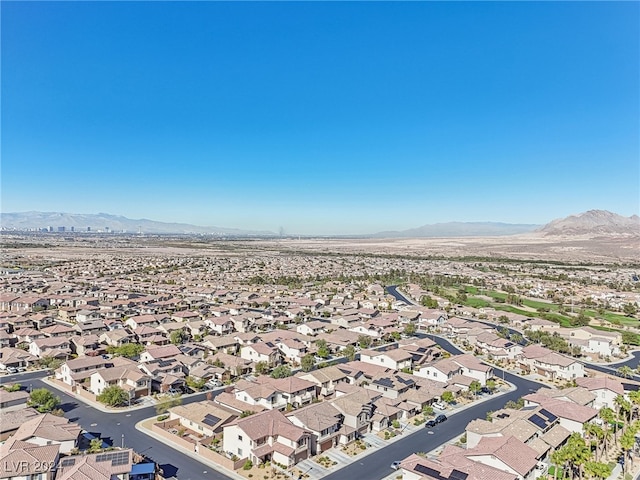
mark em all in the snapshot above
pixel 119 429
pixel 377 466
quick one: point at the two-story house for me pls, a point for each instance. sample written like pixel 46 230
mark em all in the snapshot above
pixel 267 436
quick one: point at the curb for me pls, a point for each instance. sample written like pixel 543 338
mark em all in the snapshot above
pixel 229 473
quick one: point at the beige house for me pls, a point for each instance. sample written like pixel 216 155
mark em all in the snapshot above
pixel 130 379
pixel 396 359
pixel 267 436
pixel 206 417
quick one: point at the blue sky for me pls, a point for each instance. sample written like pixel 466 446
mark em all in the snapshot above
pixel 321 117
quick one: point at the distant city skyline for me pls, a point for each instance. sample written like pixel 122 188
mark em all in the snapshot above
pixel 321 117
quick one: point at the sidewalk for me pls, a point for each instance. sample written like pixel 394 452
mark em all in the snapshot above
pixel 145 402
pixel 375 443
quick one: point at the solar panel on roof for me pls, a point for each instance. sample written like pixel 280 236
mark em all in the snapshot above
pixel 68 462
pixel 121 458
pixel 427 471
pixel 538 421
pixel 116 458
pixel 458 475
pixel 552 418
pixel 210 420
pixel 385 382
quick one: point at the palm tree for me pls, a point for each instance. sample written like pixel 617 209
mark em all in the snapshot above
pixel 608 416
pixel 627 441
pixel 624 407
pixel 597 469
pixel 595 435
pixel 575 454
pixel 634 396
pixel 560 458
pixel 625 371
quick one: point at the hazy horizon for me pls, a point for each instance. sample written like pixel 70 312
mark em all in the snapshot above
pixel 321 117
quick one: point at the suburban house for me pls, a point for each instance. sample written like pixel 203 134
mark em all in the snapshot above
pixel 15 357
pixel 416 467
pixel 130 379
pixel 396 359
pixel 325 423
pixel 605 389
pixel 326 379
pixel 79 369
pixel 504 453
pixel 22 460
pixel 261 352
pixel 206 417
pixel 10 401
pixel 49 429
pixel 545 362
pixel 267 436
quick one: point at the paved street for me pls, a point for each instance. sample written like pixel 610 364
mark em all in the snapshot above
pixel 119 429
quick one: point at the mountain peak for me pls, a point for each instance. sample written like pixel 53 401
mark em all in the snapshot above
pixel 594 223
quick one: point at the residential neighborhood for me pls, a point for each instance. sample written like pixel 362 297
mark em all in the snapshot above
pixel 302 374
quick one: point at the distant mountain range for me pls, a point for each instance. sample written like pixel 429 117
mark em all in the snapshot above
pixel 104 222
pixel 460 229
pixel 593 223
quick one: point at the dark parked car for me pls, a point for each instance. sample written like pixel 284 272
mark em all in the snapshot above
pixel 441 418
pixel 430 423
pixel 485 390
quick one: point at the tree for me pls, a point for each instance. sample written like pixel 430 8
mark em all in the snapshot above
pixel 630 309
pixel 262 367
pixel 577 452
pixel 427 301
pixel 50 362
pixel 410 329
pixel 194 383
pixel 167 402
pixel 595 435
pixel 349 352
pixel 177 337
pixel 43 400
pixel 447 397
pixel 364 341
pixel 281 371
pixel 627 441
pixel 475 387
pixel 625 371
pixel 323 349
pixel 113 396
pixel 608 416
pixel 491 385
pixel 308 362
pixel 597 469
pixel 624 407
pixel 128 350
pixel 427 410
pixel 95 445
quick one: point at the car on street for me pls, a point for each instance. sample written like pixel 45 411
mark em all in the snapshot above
pixel 395 465
pixel 441 418
pixel 430 423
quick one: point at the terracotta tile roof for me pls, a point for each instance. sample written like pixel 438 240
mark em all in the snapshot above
pixel 271 423
pixel 49 427
pixel 509 450
pixel 601 383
